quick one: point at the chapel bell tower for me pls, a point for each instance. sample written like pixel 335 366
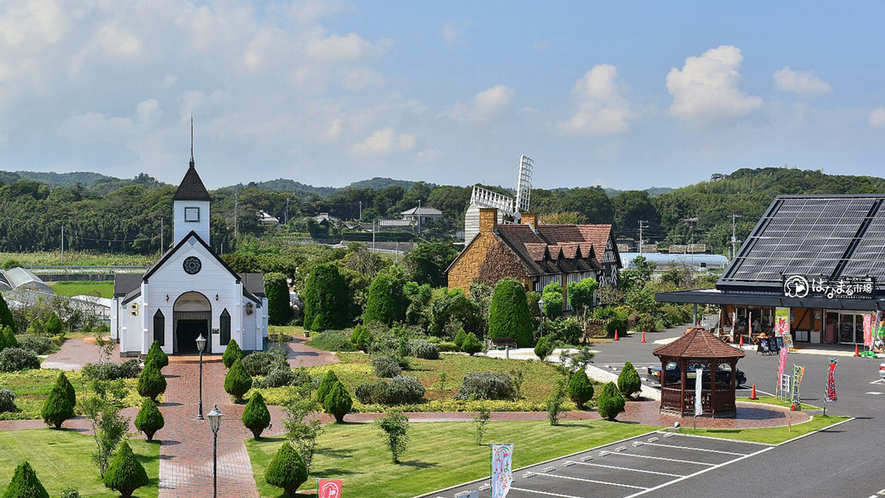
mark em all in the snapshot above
pixel 190 204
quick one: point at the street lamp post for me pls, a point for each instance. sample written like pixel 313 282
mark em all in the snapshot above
pixel 541 306
pixel 215 424
pixel 201 346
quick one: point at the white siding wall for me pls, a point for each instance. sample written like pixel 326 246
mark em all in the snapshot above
pixel 182 228
pixel 131 327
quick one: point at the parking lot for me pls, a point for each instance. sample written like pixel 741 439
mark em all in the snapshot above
pixel 625 469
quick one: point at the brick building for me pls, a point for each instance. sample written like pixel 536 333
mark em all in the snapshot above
pixel 536 255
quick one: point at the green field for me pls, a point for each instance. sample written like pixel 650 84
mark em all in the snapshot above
pixel 774 435
pixel 84 288
pixel 75 258
pixel 440 454
pixel 63 459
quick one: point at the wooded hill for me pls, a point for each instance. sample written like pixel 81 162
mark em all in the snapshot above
pixel 108 214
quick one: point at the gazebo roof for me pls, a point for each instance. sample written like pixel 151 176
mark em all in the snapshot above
pixel 698 343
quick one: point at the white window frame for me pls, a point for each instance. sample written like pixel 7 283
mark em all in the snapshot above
pixel 191 209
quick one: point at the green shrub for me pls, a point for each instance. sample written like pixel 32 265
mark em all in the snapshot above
pixel 7 401
pixel 471 344
pixel 394 429
pixel 129 369
pixel 564 330
pixel 331 340
pixel 25 484
pixel 403 390
pixel 361 338
pixel 385 366
pixel 610 402
pixel 125 474
pixel 385 302
pixel 151 382
pixel 63 383
pixel 237 382
pixel 56 408
pixel 448 347
pixel 15 359
pixel 286 470
pixel 325 298
pixel 232 353
pixel 485 385
pixel 260 363
pixel 459 337
pixel 156 356
pixel 555 401
pixel 326 385
pixel 149 419
pixel 629 381
pixel 646 323
pixel 279 308
pixel 552 296
pixel 9 335
pixel 580 294
pixel 39 345
pixel 371 393
pixel 424 350
pixel 281 375
pixel 256 416
pixel 6 319
pixel 338 402
pixel 580 389
pixel 543 348
pixel 509 315
pixel 53 325
pixel 70 493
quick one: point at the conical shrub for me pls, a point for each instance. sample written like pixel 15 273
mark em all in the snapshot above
pixel 238 381
pixel 25 484
pixel 629 381
pixel 232 354
pixel 9 337
pixel 57 408
pixel 338 402
pixel 156 356
pixel 149 419
pixel 610 402
pixel 580 389
pixel 68 388
pixel 125 474
pixel 151 382
pixel 326 385
pixel 256 416
pixel 286 470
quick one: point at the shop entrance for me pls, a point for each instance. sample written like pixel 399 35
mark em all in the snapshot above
pixel 846 326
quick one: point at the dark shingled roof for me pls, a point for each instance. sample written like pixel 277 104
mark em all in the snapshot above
pixel 124 283
pixel 530 247
pixel 191 188
pixel 253 282
pixel 698 343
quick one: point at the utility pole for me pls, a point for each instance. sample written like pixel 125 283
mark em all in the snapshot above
pixel 373 236
pixel 236 208
pixel 419 217
pixel 162 245
pixel 361 210
pixel 642 224
pixel 692 222
pixel 734 239
pixel 62 244
pixel 287 211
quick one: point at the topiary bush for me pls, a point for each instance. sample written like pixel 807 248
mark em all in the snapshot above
pixel 424 350
pixel 56 408
pixel 326 385
pixel 256 416
pixel 361 338
pixel 53 325
pixel 25 484
pixel 385 366
pixel 279 308
pixel 6 318
pixel 471 344
pixel 129 369
pixel 260 363
pixel 237 382
pixel 156 356
pixel 286 470
pixel 39 345
pixel 403 390
pixel 459 337
pixel 325 298
pixel 543 348
pixel 385 302
pixel 610 402
pixel 338 402
pixel 232 354
pixel 151 382
pixel 63 383
pixel 125 474
pixel 564 330
pixel 580 389
pixel 15 359
pixel 629 381
pixel 448 347
pixel 7 401
pixel 485 385
pixel 509 315
pixel 149 419
pixel 371 393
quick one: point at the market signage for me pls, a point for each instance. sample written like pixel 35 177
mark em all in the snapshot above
pixel 800 286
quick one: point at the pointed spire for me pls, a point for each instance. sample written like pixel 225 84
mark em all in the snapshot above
pixel 192 140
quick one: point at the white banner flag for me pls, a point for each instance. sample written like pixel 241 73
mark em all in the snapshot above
pixel 502 469
pixel 698 386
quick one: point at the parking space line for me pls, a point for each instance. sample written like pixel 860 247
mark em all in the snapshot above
pixel 628 468
pixel 692 448
pixel 665 459
pixel 717 438
pixel 594 481
pixel 546 493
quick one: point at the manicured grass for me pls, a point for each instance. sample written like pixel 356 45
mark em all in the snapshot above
pixel 440 454
pixel 31 388
pixel 773 400
pixel 77 258
pixel 63 459
pixel 289 330
pixel 539 379
pixel 78 288
pixel 774 435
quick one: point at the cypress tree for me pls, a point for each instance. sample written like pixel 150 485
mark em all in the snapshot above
pixel 232 353
pixel 386 302
pixel 580 389
pixel 151 382
pixel 338 402
pixel 68 388
pixel 509 315
pixel 6 319
pixel 471 344
pixel 286 470
pixel 125 474
pixel 325 294
pixel 326 385
pixel 25 484
pixel 149 419
pixel 237 382
pixel 256 416
pixel 279 310
pixel 9 337
pixel 629 381
pixel 610 402
pixel 156 356
pixel 57 408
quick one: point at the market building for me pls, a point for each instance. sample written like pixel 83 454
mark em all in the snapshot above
pixel 812 268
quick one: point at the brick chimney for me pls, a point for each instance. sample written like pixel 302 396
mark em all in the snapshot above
pixel 488 220
pixel 530 219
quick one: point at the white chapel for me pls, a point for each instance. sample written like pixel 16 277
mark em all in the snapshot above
pixel 189 291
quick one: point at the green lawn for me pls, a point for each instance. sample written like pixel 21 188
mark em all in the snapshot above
pixel 84 288
pixel 774 435
pixel 355 369
pixel 773 400
pixel 63 459
pixel 440 454
pixel 31 387
pixel 76 258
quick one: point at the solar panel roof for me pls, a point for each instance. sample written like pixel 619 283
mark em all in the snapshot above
pixel 813 235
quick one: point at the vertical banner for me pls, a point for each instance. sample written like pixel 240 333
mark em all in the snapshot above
pixel 781 322
pixel 698 392
pixel 329 489
pixel 868 330
pixel 798 373
pixel 880 330
pixel 782 364
pixel 831 382
pixel 502 469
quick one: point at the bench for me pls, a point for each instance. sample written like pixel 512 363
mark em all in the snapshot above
pixel 504 342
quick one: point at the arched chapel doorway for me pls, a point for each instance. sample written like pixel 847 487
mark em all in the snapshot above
pixel 192 316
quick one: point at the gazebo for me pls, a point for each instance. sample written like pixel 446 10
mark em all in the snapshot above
pixel 679 361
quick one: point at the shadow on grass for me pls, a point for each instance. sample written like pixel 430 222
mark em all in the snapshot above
pixel 334 453
pixel 419 465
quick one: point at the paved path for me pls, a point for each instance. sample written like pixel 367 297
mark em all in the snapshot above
pixel 301 355
pixel 75 353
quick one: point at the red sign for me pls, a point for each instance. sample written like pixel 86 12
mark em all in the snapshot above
pixel 329 489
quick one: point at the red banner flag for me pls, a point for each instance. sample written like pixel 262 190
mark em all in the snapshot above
pixel 329 489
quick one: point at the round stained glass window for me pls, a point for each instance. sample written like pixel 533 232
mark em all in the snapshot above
pixel 192 265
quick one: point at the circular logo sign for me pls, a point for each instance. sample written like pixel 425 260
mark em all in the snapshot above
pixel 330 489
pixel 192 265
pixel 796 286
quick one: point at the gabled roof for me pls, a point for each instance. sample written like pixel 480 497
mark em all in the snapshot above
pixel 191 187
pixel 423 210
pixel 698 343
pixel 124 283
pixel 597 235
pixel 156 266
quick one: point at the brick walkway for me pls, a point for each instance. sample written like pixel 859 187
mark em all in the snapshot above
pixel 75 353
pixel 301 355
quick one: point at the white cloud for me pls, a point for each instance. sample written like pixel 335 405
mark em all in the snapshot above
pixel 877 117
pixel 802 83
pixel 382 143
pixel 336 48
pixel 602 108
pixel 428 156
pixel 148 111
pixel 705 90
pixel 198 102
pixel 360 78
pixel 486 107
pixel 32 25
pixel 451 32
pixel 117 42
pixel 311 11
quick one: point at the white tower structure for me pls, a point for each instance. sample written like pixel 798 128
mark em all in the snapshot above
pixel 508 207
pixel 524 184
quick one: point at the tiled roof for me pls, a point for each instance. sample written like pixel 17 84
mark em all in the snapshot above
pixel 536 250
pixel 191 188
pixel 424 210
pixel 124 283
pixel 541 257
pixel 698 343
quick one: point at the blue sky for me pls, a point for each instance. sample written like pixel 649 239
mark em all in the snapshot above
pixel 626 95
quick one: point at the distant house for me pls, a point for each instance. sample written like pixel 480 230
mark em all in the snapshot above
pixel 265 219
pixel 326 218
pixel 424 215
pixel 536 255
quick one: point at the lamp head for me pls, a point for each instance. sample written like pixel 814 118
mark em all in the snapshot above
pixel 201 343
pixel 214 419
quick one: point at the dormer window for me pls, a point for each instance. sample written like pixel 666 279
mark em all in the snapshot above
pixel 191 214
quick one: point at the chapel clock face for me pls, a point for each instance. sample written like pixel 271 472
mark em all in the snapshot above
pixel 192 265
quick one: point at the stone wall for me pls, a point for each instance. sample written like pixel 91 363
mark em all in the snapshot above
pixel 487 260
